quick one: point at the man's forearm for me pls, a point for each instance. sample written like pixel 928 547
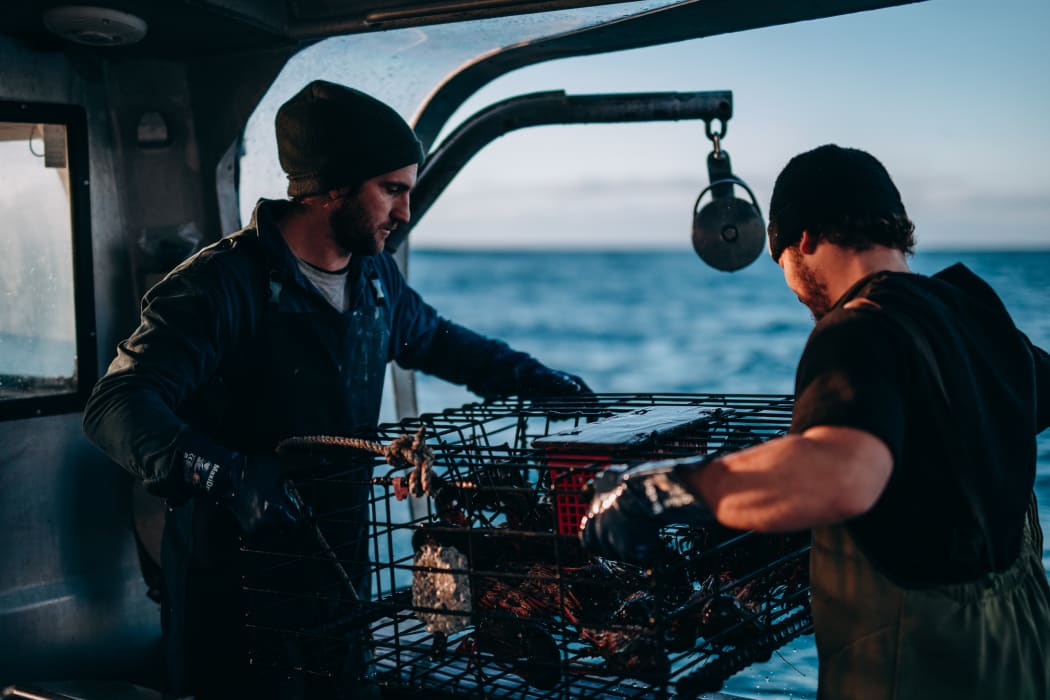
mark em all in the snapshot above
pixel 825 475
pixel 488 367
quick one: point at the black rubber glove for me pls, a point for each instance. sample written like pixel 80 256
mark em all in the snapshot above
pixel 253 489
pixel 631 505
pixel 541 382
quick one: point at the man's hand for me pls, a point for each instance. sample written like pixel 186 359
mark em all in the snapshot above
pixel 630 507
pixel 260 499
pixel 543 382
pixel 251 488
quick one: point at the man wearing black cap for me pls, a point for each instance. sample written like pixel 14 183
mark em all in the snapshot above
pixel 282 329
pixel 911 456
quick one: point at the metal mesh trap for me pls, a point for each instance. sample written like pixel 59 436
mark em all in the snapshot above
pixel 480 587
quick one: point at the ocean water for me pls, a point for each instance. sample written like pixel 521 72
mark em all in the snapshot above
pixel 664 321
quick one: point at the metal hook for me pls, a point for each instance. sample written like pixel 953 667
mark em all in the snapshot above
pixel 715 136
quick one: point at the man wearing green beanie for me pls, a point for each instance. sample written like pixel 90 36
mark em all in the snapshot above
pixel 282 329
pixel 911 457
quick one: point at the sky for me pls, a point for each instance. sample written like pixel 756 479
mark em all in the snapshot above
pixel 951 95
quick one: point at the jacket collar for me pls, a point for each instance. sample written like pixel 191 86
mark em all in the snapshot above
pixel 264 225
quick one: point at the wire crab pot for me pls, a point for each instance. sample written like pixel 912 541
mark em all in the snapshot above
pixel 442 558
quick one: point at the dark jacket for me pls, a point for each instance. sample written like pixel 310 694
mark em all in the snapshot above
pixel 236 351
pixel 202 358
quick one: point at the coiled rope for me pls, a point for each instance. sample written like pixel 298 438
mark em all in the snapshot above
pixel 404 451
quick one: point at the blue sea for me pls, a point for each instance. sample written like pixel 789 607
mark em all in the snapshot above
pixel 664 321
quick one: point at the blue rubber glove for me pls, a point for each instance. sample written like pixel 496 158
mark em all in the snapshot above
pixel 252 489
pixel 630 506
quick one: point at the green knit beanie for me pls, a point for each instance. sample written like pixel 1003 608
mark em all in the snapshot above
pixel 330 136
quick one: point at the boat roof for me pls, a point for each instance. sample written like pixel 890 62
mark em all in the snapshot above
pixel 186 29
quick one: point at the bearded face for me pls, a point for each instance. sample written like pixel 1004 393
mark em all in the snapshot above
pixel 356 230
pixel 367 215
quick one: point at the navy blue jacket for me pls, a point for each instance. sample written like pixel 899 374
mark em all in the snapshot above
pixel 229 349
pixel 236 351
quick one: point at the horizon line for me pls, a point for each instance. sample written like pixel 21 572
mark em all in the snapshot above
pixel 430 248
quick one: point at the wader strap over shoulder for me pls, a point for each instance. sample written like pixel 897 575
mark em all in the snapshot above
pixel 967 545
pixel 377 286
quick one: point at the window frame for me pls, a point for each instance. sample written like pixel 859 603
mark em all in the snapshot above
pixel 85 371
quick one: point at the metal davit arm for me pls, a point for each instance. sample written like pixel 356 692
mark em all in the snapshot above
pixel 549 108
pixel 536 109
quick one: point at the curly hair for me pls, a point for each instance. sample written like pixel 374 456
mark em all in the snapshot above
pixel 842 195
pixel 863 232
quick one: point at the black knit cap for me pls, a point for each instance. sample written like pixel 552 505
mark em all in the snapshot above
pixel 828 186
pixel 330 136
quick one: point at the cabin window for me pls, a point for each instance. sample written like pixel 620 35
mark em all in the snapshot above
pixel 44 322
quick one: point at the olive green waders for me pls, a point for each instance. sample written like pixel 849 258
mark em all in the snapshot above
pixel 985 639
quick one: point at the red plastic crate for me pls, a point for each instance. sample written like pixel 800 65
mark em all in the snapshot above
pixel 569 475
pixel 577 454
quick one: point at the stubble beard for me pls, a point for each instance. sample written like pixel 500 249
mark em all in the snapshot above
pixel 814 294
pixel 354 231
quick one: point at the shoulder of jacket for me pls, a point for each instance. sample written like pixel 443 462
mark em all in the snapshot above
pixel 232 265
pixel 238 251
pixel 877 314
pixel 862 303
pixel 885 291
pixel 860 312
